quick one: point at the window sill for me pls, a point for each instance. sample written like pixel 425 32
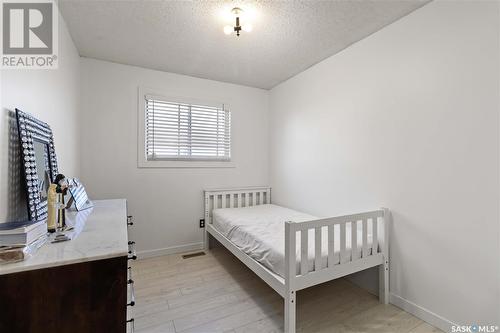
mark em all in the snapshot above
pixel 186 164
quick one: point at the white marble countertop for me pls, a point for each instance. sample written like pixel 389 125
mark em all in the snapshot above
pixel 103 235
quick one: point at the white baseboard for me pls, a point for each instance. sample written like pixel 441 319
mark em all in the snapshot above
pixel 169 250
pixel 422 313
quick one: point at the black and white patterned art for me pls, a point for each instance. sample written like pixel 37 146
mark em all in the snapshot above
pixel 79 195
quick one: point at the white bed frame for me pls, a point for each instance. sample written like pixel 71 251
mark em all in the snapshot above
pixel 351 261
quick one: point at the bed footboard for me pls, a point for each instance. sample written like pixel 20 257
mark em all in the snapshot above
pixel 351 259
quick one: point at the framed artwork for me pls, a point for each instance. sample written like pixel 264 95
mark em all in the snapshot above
pixel 39 162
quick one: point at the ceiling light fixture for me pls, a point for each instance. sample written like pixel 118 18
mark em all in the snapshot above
pixel 237 13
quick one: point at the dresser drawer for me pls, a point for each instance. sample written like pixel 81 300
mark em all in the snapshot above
pixel 75 298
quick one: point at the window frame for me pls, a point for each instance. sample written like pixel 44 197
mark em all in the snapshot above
pixel 142 160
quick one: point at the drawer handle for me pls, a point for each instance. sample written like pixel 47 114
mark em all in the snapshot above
pixel 129 220
pixel 131 251
pixel 132 325
pixel 132 295
pixel 129 275
pixel 131 247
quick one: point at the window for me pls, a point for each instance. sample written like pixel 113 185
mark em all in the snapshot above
pixel 176 131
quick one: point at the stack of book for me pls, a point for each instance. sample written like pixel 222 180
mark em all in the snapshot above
pixel 19 240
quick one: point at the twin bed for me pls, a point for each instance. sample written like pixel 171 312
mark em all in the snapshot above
pixel 291 250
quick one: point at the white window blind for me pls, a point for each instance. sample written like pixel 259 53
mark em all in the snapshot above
pixel 182 131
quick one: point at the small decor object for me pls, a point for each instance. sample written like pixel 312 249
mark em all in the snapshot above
pixel 61 189
pixel 237 13
pixel 79 195
pixel 60 237
pixel 52 208
pixel 39 162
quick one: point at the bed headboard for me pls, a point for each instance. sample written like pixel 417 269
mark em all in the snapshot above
pixel 235 198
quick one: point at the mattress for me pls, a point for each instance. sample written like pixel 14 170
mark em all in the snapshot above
pixel 259 231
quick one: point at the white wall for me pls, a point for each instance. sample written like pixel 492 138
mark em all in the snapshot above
pixel 52 96
pixel 166 203
pixel 407 119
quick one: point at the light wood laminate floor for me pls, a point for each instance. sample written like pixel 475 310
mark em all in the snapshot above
pixel 217 293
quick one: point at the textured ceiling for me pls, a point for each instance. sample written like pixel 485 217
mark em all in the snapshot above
pixel 186 37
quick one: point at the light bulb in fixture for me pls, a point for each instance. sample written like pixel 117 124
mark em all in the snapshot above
pixel 236 11
pixel 247 27
pixel 228 29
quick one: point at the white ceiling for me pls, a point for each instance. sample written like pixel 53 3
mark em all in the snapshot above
pixel 186 37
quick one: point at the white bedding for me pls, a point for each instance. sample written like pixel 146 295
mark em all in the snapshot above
pixel 259 231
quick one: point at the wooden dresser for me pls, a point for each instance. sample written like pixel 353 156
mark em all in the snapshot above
pixel 82 285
